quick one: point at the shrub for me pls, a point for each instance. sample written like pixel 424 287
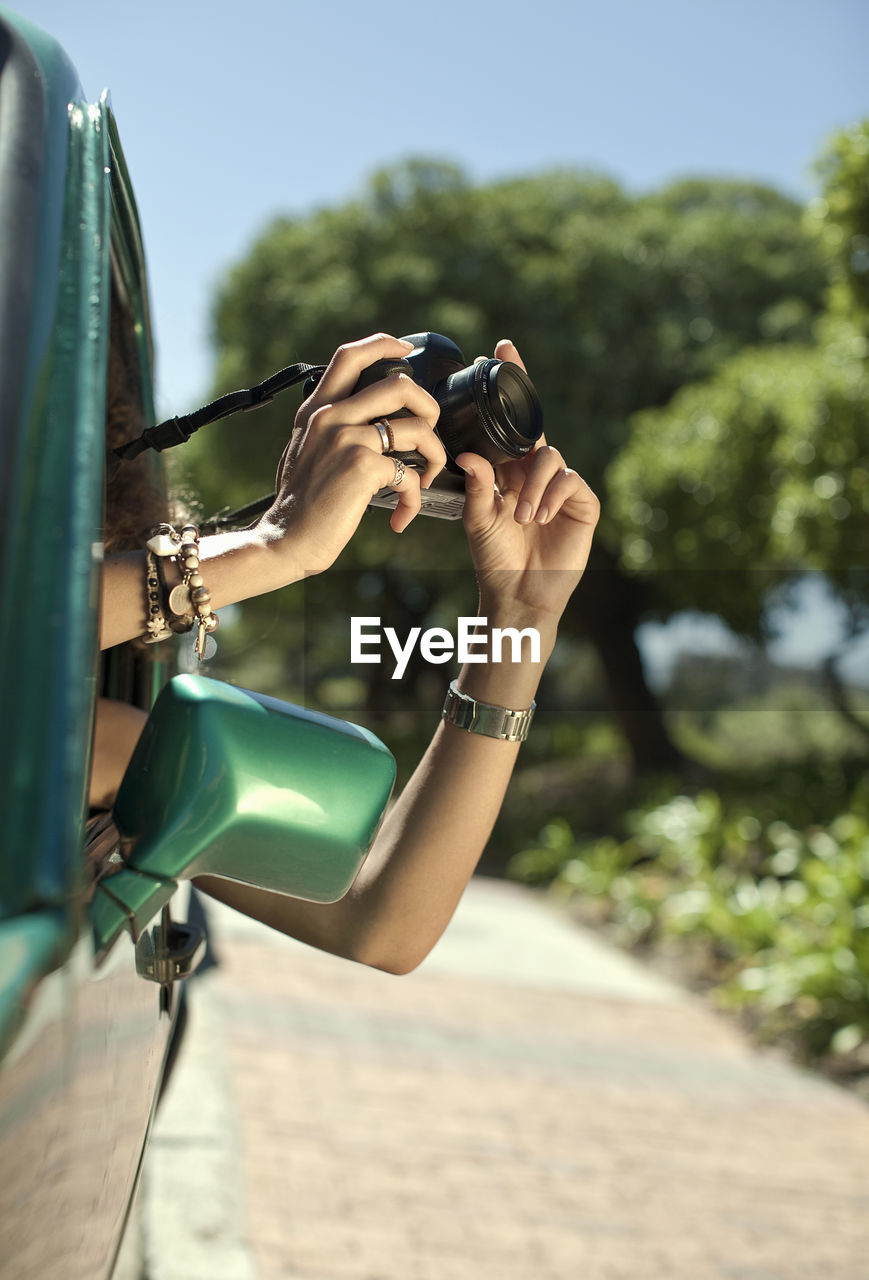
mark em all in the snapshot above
pixel 775 915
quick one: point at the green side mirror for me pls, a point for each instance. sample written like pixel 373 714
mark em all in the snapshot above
pixel 230 783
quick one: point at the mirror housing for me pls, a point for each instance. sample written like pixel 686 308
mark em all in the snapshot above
pixel 227 782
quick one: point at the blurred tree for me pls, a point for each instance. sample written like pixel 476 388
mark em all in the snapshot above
pixel 748 480
pixel 616 302
pixel 840 216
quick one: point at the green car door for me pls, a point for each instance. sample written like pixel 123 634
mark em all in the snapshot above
pixel 83 1035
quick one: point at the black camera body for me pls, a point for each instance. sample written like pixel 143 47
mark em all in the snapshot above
pixel 489 408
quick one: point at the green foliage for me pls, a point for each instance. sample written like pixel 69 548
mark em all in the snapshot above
pixel 840 216
pixel 787 723
pixel 760 473
pixel 614 300
pixel 777 915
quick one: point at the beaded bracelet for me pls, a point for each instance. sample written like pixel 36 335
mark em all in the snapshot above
pixel 155 598
pixel 188 603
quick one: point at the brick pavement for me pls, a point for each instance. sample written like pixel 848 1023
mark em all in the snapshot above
pixel 478 1120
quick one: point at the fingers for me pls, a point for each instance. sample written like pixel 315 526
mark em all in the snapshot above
pixel 548 485
pixel 329 426
pixel 415 434
pixel 409 500
pixel 384 397
pixel 532 492
pixel 505 350
pixel 339 379
pixel 480 490
pixel 388 397
pixel 350 359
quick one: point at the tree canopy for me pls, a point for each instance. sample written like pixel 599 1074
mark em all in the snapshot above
pixel 615 300
pixel 707 290
pixel 761 472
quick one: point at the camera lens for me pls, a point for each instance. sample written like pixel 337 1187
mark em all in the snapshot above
pixel 490 408
pixel 507 410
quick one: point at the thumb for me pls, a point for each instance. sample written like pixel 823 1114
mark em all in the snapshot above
pixel 505 350
pixel 479 490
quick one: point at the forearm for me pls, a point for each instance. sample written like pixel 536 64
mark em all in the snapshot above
pixel 529 525
pixel 235 566
pixel 428 846
pixel 434 835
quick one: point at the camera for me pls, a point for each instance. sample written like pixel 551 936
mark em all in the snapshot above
pixel 489 408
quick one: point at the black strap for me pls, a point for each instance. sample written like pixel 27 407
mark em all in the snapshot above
pixel 242 516
pixel 165 435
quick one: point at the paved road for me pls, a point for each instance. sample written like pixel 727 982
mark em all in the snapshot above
pixel 528 1105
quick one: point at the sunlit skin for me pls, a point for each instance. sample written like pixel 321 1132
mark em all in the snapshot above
pixel 521 519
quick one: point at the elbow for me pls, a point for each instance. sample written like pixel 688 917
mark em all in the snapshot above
pixel 396 968
pixel 397 961
pixel 389 955
pixel 392 940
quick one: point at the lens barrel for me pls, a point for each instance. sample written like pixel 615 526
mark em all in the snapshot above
pixel 489 408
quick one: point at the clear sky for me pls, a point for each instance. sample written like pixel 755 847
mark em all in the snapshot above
pixel 231 114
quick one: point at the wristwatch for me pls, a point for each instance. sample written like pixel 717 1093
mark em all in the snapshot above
pixel 482 717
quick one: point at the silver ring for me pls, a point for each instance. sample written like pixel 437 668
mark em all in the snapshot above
pixel 386 438
pixel 399 474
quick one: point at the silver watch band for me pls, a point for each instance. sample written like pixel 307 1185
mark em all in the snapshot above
pixel 482 717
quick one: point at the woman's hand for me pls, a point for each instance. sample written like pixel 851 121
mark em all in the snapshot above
pixel 529 524
pixel 334 461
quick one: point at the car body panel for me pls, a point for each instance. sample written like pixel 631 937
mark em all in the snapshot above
pixel 77 1095
pixel 52 491
pixel 83 1036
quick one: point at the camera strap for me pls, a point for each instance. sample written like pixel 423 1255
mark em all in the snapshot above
pixel 165 435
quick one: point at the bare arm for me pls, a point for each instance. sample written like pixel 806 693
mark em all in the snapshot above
pixel 426 850
pixel 528 561
pixel 116 731
pixel 331 467
pixel 529 536
pixel 236 566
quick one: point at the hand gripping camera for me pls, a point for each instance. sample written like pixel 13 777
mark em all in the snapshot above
pixel 489 408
